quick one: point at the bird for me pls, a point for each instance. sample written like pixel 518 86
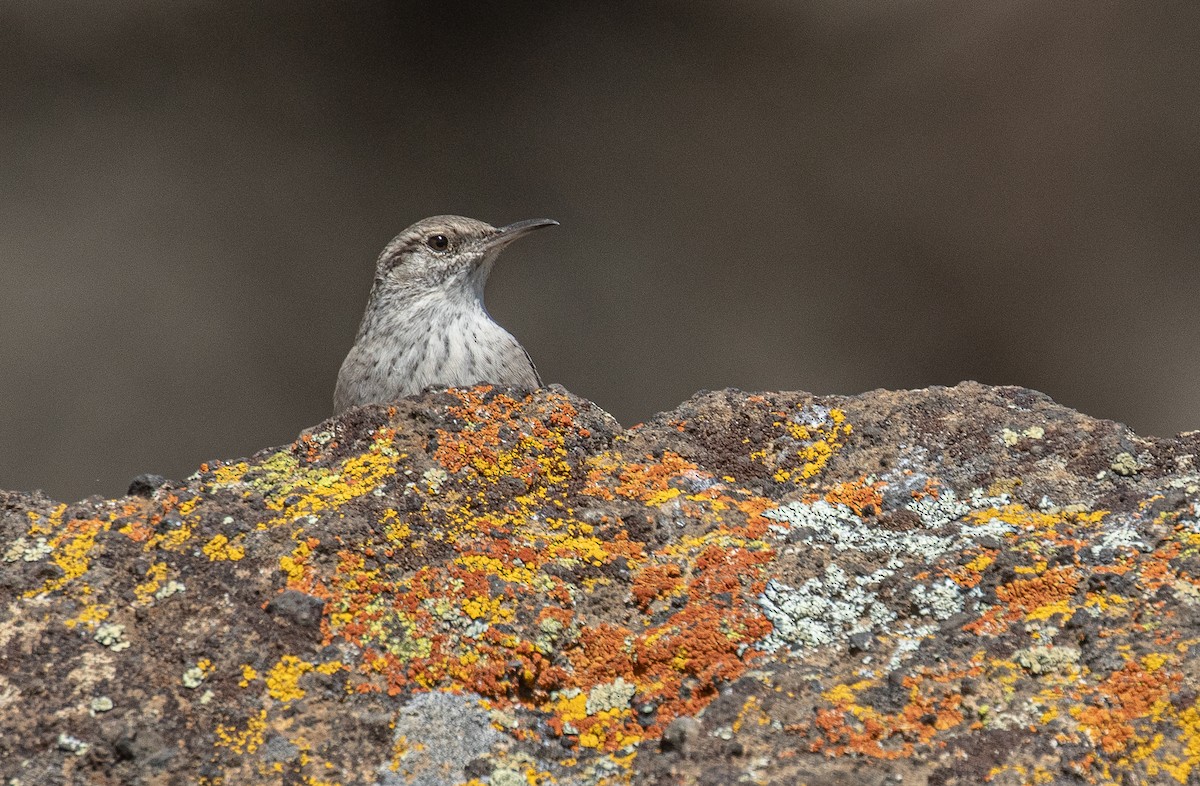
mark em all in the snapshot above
pixel 425 324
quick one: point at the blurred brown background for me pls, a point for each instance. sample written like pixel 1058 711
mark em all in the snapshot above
pixel 833 195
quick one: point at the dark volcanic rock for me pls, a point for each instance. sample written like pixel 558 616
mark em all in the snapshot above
pixel 144 485
pixel 938 586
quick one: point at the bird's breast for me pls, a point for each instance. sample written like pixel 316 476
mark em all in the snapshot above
pixel 406 353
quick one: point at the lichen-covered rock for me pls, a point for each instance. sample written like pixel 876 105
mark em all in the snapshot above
pixel 945 586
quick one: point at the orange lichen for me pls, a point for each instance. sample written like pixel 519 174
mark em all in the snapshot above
pixel 1049 593
pixel 656 582
pixel 1042 596
pixel 1133 693
pixel 647 481
pixel 478 445
pixel 850 727
pixel 860 497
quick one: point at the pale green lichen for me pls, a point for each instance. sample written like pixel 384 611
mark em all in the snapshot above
pixel 21 549
pixel 503 776
pixel 614 695
pixel 196 674
pixel 1125 464
pixel 112 636
pixel 1044 660
pixel 73 745
pixel 169 589
pixel 434 477
pixel 1011 438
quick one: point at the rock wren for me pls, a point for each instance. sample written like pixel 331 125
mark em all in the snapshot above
pixel 425 323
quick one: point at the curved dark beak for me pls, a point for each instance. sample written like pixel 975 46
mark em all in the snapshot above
pixel 510 232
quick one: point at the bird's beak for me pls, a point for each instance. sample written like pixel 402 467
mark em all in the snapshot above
pixel 506 234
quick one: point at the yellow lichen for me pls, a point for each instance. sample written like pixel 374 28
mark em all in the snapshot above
pixel 283 680
pixel 820 442
pixel 91 615
pixel 155 575
pixel 294 490
pixel 295 565
pixel 394 529
pixel 71 550
pixel 661 497
pixel 222 548
pixel 245 740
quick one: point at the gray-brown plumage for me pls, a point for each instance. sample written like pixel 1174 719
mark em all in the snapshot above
pixel 425 323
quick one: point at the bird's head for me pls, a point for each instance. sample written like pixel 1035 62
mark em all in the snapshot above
pixel 449 254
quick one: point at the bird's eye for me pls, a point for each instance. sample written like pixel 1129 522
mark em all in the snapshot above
pixel 438 242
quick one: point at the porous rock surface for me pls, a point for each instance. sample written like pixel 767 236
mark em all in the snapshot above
pixel 943 586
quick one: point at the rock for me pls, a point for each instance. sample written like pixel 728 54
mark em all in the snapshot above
pixel 680 733
pixel 145 484
pixel 948 585
pixel 298 608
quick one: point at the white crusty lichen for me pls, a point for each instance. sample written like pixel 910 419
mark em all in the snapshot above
pixel 940 600
pixel 833 607
pixel 829 610
pixel 1122 535
pixel 940 510
pixel 822 611
pixel 824 524
pixel 71 744
pixel 1191 523
pixel 947 507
